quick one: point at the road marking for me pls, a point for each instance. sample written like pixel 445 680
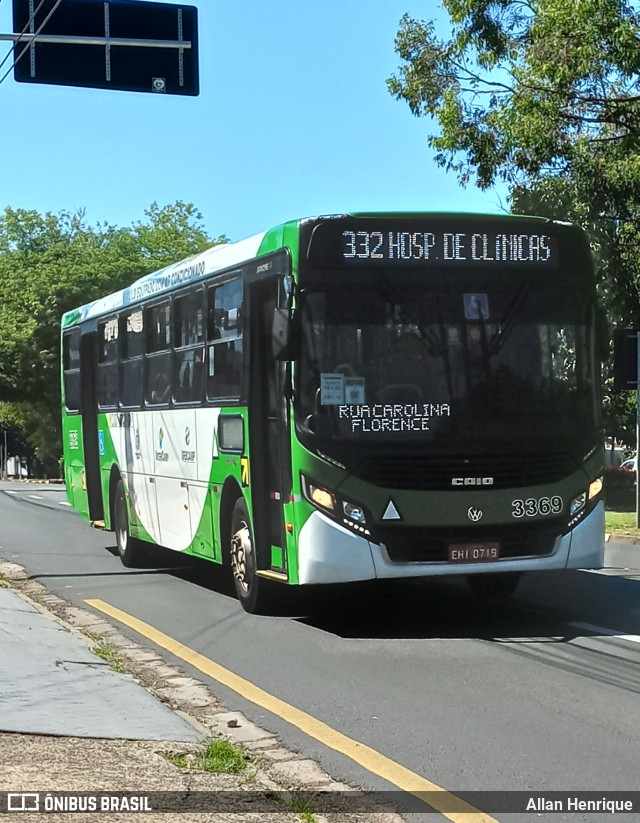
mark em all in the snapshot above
pixel 63 503
pixel 632 638
pixel 450 806
pixel 36 496
pixel 9 491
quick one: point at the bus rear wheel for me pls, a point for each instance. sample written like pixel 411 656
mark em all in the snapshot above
pixel 132 552
pixel 253 592
pixel 494 586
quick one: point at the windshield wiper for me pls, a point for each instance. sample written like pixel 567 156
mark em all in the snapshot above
pixel 508 322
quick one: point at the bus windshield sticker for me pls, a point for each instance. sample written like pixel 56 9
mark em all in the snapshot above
pixel 354 390
pixel 331 389
pixel 476 306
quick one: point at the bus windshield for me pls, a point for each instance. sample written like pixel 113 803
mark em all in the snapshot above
pixel 506 358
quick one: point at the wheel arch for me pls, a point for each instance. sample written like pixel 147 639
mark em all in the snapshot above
pixel 231 492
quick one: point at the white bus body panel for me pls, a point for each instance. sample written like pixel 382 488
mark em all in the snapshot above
pixel 166 458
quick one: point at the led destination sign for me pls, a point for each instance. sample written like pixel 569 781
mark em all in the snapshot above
pixel 447 247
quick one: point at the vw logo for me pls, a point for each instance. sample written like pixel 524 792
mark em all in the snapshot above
pixel 474 514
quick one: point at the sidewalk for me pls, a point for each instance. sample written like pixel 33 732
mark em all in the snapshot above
pixel 69 722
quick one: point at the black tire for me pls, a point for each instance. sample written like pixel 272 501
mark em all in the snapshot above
pixel 498 586
pixel 133 552
pixel 253 592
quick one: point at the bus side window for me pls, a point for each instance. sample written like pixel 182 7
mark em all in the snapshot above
pixel 189 347
pixel 71 367
pixel 158 359
pixel 108 355
pixel 224 340
pixel 132 359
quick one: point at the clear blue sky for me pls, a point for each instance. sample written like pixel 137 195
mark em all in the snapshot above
pixel 293 119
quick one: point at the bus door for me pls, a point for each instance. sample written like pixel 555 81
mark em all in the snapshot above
pixel 268 429
pixel 89 412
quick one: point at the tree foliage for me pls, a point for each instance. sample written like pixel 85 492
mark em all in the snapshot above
pixel 52 263
pixel 545 96
pixel 526 88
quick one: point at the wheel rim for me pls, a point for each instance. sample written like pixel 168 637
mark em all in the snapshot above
pixel 241 557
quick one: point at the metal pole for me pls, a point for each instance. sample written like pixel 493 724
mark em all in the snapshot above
pixel 637 428
pixel 96 41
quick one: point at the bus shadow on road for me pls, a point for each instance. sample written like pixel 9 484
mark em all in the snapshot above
pixel 553 607
pixel 549 607
pixel 412 610
pixel 204 574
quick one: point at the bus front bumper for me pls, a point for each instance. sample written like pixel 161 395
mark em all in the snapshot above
pixel 329 553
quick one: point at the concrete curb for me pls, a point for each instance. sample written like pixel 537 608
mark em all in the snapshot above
pixel 622 538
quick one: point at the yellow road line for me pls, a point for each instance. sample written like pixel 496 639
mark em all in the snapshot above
pixel 450 806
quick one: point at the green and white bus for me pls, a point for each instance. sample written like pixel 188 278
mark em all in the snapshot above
pixel 345 398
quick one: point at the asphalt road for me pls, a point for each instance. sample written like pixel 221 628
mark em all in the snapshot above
pixel 540 693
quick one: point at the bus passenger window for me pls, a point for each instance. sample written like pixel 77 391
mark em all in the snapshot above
pixel 187 378
pixel 108 354
pixel 71 366
pixel 158 388
pixel 189 349
pixel 158 377
pixel 131 369
pixel 224 335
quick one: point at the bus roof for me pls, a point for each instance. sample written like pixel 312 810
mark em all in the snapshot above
pixel 217 258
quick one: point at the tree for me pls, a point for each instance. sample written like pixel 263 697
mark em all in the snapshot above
pixel 52 263
pixel 527 88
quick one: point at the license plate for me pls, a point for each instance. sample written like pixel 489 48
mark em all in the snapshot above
pixel 473 552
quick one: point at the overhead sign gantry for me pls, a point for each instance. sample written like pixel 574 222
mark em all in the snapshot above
pixel 124 45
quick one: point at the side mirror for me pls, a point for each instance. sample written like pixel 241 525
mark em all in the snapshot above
pixel 284 334
pixel 625 360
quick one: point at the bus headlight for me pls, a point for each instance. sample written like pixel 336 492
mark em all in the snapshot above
pixel 355 518
pixel 319 496
pixel 595 488
pixel 577 503
pixel 584 503
pixel 353 512
pixel 348 514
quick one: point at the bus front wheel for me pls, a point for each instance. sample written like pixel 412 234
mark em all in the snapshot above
pixel 253 591
pixel 131 551
pixel 494 586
